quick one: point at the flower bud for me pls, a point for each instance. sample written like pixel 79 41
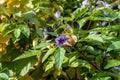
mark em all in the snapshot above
pixel 57 14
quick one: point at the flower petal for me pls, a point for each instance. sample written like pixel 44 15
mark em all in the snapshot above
pixel 61 40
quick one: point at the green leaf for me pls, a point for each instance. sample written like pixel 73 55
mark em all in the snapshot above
pixel 79 12
pixel 114 46
pixel 49 64
pixel 79 63
pixel 49 52
pixel 82 22
pixel 73 56
pixel 46 9
pixel 18 14
pixel 95 37
pixel 27 54
pixel 44 3
pixel 94 18
pixel 4 10
pixel 90 49
pixel 101 78
pixel 4 26
pixel 23 66
pixel 10 73
pixel 28 15
pixel 112 63
pixel 34 21
pixel 52 33
pixel 0 65
pixel 17 32
pixel 4 76
pixel 59 56
pixel 42 45
pixel 67 18
pixel 25 30
pixel 40 32
pixel 71 72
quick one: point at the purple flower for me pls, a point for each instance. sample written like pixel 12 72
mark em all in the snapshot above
pixel 85 3
pixel 117 67
pixel 106 13
pixel 57 14
pixel 91 33
pixel 106 6
pixel 61 40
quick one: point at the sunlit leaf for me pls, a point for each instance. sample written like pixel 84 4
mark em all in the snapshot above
pixel 112 63
pixel 28 15
pixel 18 14
pixel 4 39
pixel 3 76
pixel 79 12
pixel 35 42
pixel 41 46
pixel 67 18
pixel 4 10
pixel 2 1
pixel 82 22
pixel 49 52
pixel 27 54
pixel 96 37
pixel 101 78
pixel 73 56
pixel 94 18
pixel 49 64
pixel 11 3
pixel 23 3
pixel 1 27
pixel 23 66
pixel 80 63
pixel 17 32
pixel 114 46
pixel 25 30
pixel 4 27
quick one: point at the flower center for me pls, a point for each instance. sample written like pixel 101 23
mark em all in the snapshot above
pixel 61 40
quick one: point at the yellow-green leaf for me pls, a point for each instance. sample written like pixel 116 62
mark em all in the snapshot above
pixel 49 52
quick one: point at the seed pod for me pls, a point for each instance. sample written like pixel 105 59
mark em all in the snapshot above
pixel 45 33
pixel 117 20
pixel 105 23
pixel 115 4
pixel 73 24
pixel 72 40
pixel 74 8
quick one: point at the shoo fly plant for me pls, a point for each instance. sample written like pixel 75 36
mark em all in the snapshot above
pixel 59 39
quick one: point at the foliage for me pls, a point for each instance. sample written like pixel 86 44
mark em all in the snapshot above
pixel 59 39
